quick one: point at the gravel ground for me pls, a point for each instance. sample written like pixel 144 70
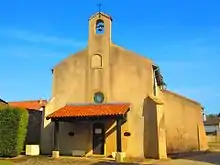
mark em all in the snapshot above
pixel 212 158
pixel 65 161
pixel 208 158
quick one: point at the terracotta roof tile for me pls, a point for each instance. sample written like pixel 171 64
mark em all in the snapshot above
pixel 34 104
pixel 90 110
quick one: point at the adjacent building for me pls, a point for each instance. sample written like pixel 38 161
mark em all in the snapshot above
pixel 35 110
pixel 2 102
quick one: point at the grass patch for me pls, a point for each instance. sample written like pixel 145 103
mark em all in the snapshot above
pixel 6 162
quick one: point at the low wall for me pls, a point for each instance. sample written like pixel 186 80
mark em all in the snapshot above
pixel 213 139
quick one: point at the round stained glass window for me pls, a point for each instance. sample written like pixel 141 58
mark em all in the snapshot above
pixel 99 97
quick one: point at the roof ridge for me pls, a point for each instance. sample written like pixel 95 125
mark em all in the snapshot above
pixel 100 13
pixel 27 101
pixel 85 104
pixel 184 97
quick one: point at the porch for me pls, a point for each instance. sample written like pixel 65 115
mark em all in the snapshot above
pixel 92 121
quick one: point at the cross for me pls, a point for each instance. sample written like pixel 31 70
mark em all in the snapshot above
pixel 99 7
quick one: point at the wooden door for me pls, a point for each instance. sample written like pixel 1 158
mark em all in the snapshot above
pixel 98 138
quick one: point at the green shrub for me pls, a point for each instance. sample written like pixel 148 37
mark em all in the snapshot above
pixel 13 130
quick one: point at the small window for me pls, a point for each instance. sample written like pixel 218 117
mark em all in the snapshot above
pixel 100 28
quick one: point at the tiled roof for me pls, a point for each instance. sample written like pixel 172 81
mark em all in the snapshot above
pixel 2 101
pixel 91 110
pixel 33 104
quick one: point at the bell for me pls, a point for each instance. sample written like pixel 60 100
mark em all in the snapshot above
pixel 100 27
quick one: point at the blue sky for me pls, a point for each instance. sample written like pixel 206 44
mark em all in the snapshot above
pixel 182 37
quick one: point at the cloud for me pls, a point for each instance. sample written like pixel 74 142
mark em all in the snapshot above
pixel 33 37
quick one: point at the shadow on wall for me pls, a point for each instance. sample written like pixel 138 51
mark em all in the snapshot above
pixel 111 131
pixel 150 128
pixel 46 142
pixel 34 127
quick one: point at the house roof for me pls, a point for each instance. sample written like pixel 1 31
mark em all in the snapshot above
pixel 3 101
pixel 32 104
pixel 91 110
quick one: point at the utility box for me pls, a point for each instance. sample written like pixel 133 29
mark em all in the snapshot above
pixel 32 150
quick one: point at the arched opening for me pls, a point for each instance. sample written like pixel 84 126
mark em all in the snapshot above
pixel 100 28
pixel 96 61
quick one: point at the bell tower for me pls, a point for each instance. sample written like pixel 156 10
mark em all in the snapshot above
pixel 99 43
pixel 100 28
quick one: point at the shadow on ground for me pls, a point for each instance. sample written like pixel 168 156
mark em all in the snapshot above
pixel 206 157
pixel 113 163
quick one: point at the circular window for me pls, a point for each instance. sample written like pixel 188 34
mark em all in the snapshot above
pixel 98 97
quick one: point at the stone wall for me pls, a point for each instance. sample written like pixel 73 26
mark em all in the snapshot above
pixel 184 126
pixel 34 127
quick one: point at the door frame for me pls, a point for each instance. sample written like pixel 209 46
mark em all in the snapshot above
pixel 103 134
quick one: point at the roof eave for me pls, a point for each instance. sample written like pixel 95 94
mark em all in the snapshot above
pixel 102 14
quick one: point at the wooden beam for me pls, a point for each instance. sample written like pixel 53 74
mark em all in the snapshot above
pixel 118 134
pixel 56 135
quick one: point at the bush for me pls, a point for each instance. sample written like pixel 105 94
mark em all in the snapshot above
pixel 13 130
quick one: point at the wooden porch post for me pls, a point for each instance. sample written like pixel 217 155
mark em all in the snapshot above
pixel 55 153
pixel 118 134
pixel 56 136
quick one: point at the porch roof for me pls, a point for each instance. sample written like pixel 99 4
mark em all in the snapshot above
pixel 90 110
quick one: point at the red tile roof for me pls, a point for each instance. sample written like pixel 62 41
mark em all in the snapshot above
pixel 91 110
pixel 34 104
